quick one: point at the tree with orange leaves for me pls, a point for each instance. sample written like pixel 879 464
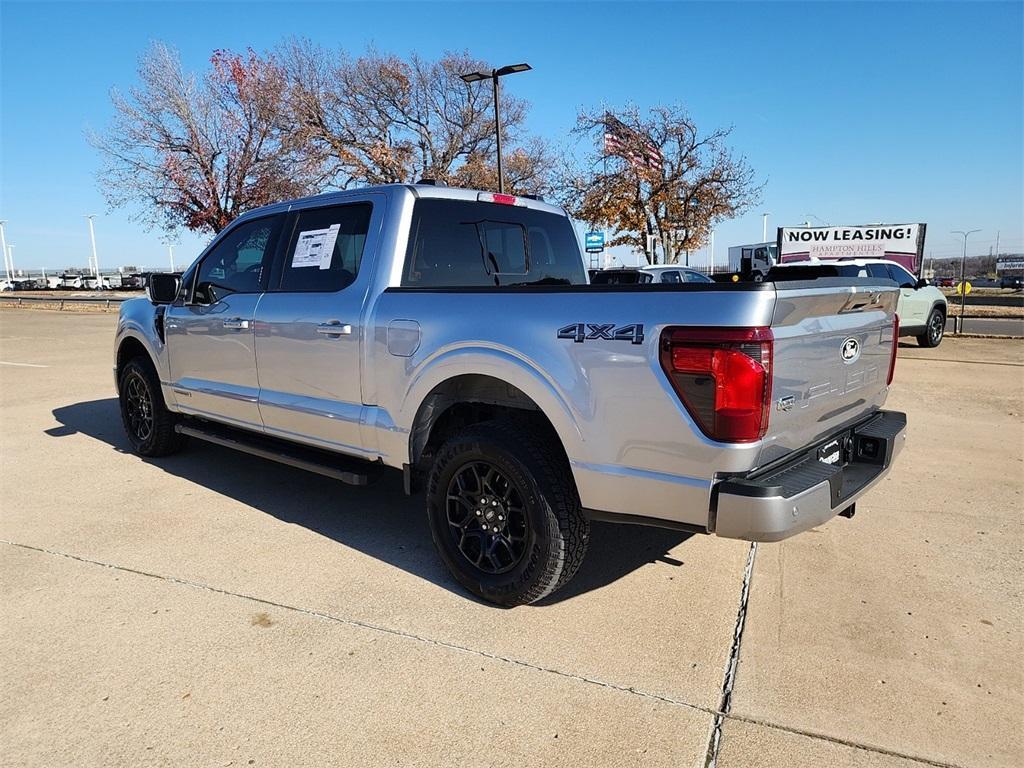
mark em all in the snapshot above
pixel 656 179
pixel 381 119
pixel 199 151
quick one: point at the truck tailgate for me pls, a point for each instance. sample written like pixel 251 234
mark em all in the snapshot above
pixel 833 346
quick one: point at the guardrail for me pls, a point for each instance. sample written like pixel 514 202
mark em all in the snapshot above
pixel 1010 300
pixel 61 300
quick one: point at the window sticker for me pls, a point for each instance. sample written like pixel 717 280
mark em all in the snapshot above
pixel 315 247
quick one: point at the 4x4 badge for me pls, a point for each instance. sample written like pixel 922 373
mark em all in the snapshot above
pixel 580 332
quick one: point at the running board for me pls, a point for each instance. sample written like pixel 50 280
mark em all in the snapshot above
pixel 347 470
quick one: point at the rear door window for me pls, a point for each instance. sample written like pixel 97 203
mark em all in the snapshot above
pixel 879 271
pixel 464 243
pixel 325 248
pixel 671 276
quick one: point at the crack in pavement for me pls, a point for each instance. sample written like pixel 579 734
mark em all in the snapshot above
pixel 719 714
pixel 725 702
pixel 971 362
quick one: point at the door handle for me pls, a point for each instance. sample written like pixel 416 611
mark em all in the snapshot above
pixel 334 328
pixel 236 324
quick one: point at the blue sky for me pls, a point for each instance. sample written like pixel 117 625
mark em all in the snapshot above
pixel 853 113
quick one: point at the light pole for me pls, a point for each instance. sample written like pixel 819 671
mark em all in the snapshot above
pixel 493 75
pixel 95 258
pixel 170 252
pixel 3 247
pixel 963 276
pixel 764 226
pixel 10 258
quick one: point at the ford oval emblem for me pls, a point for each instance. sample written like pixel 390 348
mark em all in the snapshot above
pixel 851 350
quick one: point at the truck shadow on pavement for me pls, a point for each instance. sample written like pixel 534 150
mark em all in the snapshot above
pixel 378 520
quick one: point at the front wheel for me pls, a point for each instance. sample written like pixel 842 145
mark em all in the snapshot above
pixel 504 513
pixel 150 426
pixel 934 329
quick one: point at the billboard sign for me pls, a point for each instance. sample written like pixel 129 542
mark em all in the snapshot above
pixel 903 243
pixel 1006 263
pixel 594 242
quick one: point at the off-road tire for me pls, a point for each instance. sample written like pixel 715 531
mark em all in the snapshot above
pixel 934 329
pixel 557 536
pixel 138 378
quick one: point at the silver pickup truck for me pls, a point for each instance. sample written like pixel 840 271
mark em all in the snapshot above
pixel 451 334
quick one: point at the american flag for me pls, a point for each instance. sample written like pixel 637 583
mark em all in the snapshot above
pixel 623 141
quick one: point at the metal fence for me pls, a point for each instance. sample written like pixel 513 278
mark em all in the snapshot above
pixel 19 301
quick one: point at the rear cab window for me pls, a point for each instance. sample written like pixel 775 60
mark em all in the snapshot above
pixel 464 243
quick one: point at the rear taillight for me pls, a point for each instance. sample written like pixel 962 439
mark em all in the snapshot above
pixel 724 378
pixel 895 346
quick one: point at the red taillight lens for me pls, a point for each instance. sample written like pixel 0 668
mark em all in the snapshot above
pixel 724 378
pixel 895 346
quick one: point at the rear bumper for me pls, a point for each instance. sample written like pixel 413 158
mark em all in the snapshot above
pixel 805 492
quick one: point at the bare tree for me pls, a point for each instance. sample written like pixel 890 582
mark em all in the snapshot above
pixel 200 151
pixel 381 119
pixel 656 178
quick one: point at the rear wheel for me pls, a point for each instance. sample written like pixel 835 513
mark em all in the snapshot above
pixel 504 513
pixel 150 426
pixel 934 329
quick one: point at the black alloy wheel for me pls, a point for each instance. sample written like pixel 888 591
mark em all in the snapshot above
pixel 138 408
pixel 934 329
pixel 148 423
pixel 486 517
pixel 504 512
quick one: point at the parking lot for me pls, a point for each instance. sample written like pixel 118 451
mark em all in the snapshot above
pixel 216 609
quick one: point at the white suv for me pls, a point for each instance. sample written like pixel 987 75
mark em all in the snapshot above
pixel 922 306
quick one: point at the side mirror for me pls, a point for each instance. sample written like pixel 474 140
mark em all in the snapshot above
pixel 924 282
pixel 162 288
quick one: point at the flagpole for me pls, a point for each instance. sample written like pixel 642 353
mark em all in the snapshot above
pixel 604 158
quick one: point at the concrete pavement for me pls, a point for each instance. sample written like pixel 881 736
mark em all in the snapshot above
pixel 215 609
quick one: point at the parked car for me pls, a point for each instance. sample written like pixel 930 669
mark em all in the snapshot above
pixel 133 282
pixel 922 308
pixel 1015 282
pixel 623 276
pixel 89 283
pixel 6 285
pixel 451 335
pixel 71 281
pixel 673 273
